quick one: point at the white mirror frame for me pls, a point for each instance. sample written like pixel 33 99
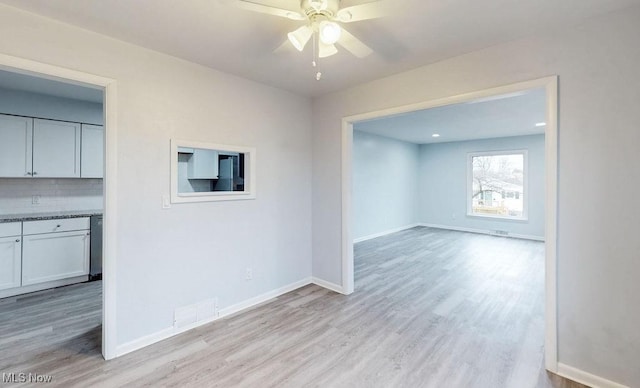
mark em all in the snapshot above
pixel 249 174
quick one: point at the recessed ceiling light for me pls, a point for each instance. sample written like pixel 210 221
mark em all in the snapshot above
pixel 540 124
pixel 435 135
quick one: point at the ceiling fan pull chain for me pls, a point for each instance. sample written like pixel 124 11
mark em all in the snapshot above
pixel 316 59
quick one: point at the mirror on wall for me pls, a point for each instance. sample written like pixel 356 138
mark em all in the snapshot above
pixel 211 172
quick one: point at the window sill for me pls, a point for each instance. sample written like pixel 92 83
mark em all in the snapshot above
pixel 499 218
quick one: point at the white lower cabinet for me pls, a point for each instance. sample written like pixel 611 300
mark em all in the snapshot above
pixel 54 250
pixel 36 255
pixel 54 256
pixel 10 268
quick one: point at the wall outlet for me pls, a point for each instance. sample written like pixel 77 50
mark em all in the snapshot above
pixel 248 274
pixel 35 200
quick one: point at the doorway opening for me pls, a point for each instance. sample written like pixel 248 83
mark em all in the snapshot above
pixel 492 200
pixel 63 204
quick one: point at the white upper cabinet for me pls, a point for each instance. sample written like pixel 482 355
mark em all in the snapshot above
pixel 92 151
pixel 15 146
pixel 41 148
pixel 56 149
pixel 203 164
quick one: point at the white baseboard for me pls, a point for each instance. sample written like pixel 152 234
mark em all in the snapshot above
pixel 482 231
pixel 384 233
pixel 586 378
pixel 42 286
pixel 328 285
pixel 227 311
pixel 238 307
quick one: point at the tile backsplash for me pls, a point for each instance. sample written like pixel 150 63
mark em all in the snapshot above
pixel 55 195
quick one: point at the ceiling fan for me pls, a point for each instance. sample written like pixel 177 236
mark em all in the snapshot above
pixel 322 25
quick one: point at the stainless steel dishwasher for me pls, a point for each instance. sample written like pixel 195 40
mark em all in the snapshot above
pixel 95 262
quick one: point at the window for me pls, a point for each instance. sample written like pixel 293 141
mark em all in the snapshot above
pixel 498 184
pixel 211 172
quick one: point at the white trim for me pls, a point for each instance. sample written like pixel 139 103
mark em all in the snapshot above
pixel 249 174
pixel 327 285
pixel 226 312
pixel 347 241
pixel 109 284
pixel 551 190
pixel 586 378
pixel 42 286
pixel 484 231
pixel 110 227
pixel 384 233
pixel 550 226
pixel 239 307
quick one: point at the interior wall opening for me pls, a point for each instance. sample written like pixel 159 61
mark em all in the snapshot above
pixel 52 196
pixel 481 114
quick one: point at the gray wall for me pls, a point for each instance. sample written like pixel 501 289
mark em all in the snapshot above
pixel 191 252
pixel 385 184
pixel 443 185
pixel 598 248
pixel 49 107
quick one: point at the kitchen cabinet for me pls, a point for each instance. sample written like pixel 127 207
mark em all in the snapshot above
pixel 10 255
pixel 92 151
pixel 55 249
pixel 56 149
pixel 203 164
pixel 15 146
pixel 41 148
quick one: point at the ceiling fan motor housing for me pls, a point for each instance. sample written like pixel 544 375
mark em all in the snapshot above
pixel 314 8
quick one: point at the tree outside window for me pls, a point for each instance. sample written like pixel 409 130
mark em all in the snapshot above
pixel 498 184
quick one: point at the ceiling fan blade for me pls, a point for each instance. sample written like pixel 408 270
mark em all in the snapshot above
pixel 354 45
pixel 284 47
pixel 326 50
pixel 372 10
pixel 261 8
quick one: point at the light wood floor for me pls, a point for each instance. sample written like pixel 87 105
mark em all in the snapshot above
pixel 432 308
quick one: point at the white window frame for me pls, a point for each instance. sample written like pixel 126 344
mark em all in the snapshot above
pixel 212 196
pixel 525 193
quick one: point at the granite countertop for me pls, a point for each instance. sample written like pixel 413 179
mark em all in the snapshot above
pixel 48 215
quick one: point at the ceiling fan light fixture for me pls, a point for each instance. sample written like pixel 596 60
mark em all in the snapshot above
pixel 300 37
pixel 329 32
pixel 326 50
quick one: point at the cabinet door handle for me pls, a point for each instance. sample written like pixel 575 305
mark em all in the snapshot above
pixel 57 226
pixel 35 173
pixel 28 173
pixel 17 240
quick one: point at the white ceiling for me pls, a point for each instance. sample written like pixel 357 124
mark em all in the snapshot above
pixel 27 83
pixel 498 116
pixel 415 33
